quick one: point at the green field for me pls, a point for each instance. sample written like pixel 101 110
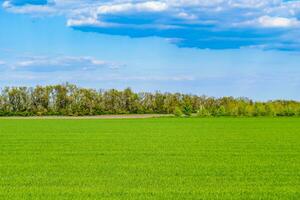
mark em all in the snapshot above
pixel 164 158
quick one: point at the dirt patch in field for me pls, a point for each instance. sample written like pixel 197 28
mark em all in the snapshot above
pixel 133 116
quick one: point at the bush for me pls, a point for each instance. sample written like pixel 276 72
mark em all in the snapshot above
pixel 203 112
pixel 187 110
pixel 221 111
pixel 178 112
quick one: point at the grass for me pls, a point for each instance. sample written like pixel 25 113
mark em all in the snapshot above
pixel 168 158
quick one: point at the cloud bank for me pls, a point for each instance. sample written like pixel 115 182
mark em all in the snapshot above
pixel 205 24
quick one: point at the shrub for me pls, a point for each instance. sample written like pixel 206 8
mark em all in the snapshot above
pixel 187 110
pixel 203 112
pixel 178 112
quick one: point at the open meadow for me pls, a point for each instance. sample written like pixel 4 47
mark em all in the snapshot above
pixel 159 158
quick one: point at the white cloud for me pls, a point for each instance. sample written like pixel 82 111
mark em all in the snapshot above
pixel 6 4
pixel 278 22
pixel 84 21
pixel 185 15
pixel 30 9
pixel 270 22
pixel 60 63
pixel 194 20
pixel 37 9
pixel 148 6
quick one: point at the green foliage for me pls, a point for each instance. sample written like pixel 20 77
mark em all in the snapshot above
pixel 221 111
pixel 178 112
pixel 203 112
pixel 70 100
pixel 155 159
pixel 187 110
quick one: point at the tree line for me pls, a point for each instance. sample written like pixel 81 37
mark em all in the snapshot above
pixel 70 100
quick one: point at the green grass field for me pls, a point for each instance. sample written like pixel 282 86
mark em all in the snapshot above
pixel 165 158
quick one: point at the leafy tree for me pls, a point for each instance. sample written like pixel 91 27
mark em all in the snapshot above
pixel 68 99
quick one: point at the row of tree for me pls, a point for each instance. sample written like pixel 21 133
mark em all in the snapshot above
pixel 68 99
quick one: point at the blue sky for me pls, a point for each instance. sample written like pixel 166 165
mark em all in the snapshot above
pixel 214 47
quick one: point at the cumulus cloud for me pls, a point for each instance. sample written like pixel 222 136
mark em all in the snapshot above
pixel 58 63
pixel 213 24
